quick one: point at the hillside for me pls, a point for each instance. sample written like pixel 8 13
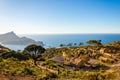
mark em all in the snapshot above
pixel 65 63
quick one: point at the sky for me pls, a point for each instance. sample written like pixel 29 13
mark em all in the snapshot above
pixel 59 16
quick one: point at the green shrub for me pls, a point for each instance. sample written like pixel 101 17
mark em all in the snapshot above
pixel 1 59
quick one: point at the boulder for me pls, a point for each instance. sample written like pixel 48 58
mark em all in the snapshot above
pixel 64 54
pixel 59 59
pixel 102 50
pixel 77 62
pixel 93 63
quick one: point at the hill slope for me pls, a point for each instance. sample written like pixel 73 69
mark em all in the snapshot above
pixel 70 63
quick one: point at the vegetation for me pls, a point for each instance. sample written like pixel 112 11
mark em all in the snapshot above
pixel 94 62
pixel 94 42
pixel 34 51
pixel 80 44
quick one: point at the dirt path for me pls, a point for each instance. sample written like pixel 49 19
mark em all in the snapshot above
pixel 9 77
pixel 45 68
pixel 112 66
pixel 116 65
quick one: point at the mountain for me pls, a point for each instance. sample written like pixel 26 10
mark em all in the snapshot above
pixel 10 36
pixel 12 39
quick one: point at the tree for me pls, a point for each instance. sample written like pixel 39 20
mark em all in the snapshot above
pixel 75 44
pixel 94 42
pixel 61 45
pixel 80 44
pixel 69 44
pixel 34 51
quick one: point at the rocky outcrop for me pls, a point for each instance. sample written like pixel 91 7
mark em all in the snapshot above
pixel 64 54
pixel 76 62
pixel 93 63
pixel 59 59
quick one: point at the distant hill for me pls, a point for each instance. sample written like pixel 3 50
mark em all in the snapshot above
pixel 12 39
pixel 10 36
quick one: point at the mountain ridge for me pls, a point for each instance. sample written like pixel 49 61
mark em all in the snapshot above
pixel 12 39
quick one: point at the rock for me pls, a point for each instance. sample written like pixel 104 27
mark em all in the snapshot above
pixel 93 63
pixel 107 54
pixel 102 50
pixel 59 59
pixel 64 54
pixel 76 62
pixel 103 58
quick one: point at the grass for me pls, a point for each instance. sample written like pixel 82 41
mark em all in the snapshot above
pixel 17 64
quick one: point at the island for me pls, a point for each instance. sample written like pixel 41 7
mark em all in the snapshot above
pixel 11 38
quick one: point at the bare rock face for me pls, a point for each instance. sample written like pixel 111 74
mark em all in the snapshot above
pixel 79 62
pixel 12 39
pixel 93 63
pixel 59 59
pixel 102 50
pixel 76 62
pixel 64 54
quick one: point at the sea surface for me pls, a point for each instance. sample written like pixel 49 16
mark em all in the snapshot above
pixel 55 40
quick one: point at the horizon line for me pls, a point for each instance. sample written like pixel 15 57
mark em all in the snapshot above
pixel 55 33
pixel 61 33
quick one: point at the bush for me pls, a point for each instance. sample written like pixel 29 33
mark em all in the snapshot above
pixel 1 59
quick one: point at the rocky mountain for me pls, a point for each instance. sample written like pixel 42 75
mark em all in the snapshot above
pixel 10 36
pixel 12 39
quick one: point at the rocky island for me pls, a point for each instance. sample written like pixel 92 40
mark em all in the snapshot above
pixel 11 38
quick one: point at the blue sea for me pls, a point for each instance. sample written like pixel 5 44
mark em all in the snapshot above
pixel 55 40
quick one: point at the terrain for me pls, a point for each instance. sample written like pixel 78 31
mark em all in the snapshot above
pixel 93 62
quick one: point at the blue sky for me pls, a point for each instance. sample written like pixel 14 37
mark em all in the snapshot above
pixel 59 16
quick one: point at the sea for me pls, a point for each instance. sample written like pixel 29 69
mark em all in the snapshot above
pixel 54 40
